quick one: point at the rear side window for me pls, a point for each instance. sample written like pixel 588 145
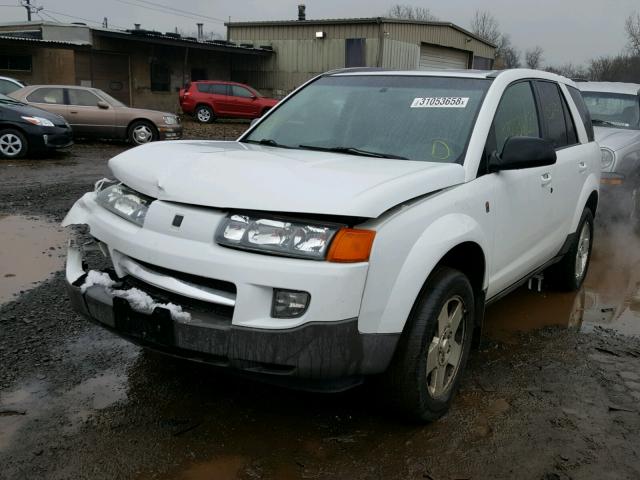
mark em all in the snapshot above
pixel 516 115
pixel 582 109
pixel 552 112
pixel 218 89
pixel 47 95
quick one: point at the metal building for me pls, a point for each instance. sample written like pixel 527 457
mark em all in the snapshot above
pixel 304 48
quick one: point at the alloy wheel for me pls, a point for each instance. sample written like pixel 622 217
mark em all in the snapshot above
pixel 445 350
pixel 204 115
pixel 583 251
pixel 10 145
pixel 142 134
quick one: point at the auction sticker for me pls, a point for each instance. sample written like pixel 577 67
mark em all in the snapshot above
pixel 440 102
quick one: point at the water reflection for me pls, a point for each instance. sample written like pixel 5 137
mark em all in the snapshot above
pixel 609 298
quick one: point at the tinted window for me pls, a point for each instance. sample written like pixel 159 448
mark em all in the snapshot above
pixel 83 98
pixel 47 95
pixel 241 92
pixel 219 89
pixel 553 114
pixel 572 136
pixel 584 112
pixel 203 87
pixel 7 87
pixel 419 118
pixel 516 115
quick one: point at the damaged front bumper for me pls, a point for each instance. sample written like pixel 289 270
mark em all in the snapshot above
pixel 220 322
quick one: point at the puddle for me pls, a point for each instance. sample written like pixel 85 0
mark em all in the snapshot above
pixel 32 249
pixel 225 467
pixel 609 298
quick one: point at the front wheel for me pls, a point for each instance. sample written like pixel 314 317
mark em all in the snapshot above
pixel 13 144
pixel 569 273
pixel 142 132
pixel 425 372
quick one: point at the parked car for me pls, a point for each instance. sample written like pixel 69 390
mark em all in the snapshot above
pixel 95 114
pixel 208 100
pixel 615 112
pixel 359 228
pixel 25 129
pixel 8 85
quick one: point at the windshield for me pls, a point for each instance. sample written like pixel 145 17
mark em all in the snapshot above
pixel 613 109
pixel 110 99
pixel 405 117
pixel 8 100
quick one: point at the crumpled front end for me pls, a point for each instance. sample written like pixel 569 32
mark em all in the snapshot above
pixel 170 287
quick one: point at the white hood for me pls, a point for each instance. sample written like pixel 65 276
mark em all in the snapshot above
pixel 616 138
pixel 254 177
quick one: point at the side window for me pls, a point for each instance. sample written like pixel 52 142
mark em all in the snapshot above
pixel 7 87
pixel 583 110
pixel 82 98
pixel 572 136
pixel 516 115
pixel 219 89
pixel 203 87
pixel 552 112
pixel 47 95
pixel 241 92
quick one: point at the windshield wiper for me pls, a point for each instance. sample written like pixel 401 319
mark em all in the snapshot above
pixel 268 142
pixel 605 123
pixel 353 151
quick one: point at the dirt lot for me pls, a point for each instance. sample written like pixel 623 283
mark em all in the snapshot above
pixel 553 392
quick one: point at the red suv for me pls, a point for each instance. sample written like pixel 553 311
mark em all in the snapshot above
pixel 208 100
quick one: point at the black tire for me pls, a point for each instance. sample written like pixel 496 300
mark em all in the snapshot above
pixel 264 111
pixel 142 132
pixel 204 114
pixel 407 379
pixel 13 144
pixel 564 274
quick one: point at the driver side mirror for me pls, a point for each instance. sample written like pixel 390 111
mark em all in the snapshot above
pixel 523 152
pixel 102 104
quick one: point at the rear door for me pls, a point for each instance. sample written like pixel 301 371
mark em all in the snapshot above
pixel 50 99
pixel 87 118
pixel 521 199
pixel 219 95
pixel 245 101
pixel 570 170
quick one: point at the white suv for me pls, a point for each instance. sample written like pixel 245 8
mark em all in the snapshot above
pixel 359 228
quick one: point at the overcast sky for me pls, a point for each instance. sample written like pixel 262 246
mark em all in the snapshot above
pixel 568 30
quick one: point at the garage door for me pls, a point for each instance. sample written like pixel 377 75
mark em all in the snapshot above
pixel 441 58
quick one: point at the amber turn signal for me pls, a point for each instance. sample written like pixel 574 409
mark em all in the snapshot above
pixel 351 245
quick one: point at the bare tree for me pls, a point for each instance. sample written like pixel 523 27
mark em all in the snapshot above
pixel 485 26
pixel 409 12
pixel 632 27
pixel 533 57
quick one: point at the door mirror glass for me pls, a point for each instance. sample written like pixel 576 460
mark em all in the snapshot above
pixel 102 104
pixel 523 152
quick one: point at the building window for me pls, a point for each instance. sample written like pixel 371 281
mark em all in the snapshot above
pixel 160 78
pixel 355 53
pixel 15 62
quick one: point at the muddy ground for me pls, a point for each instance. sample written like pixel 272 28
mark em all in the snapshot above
pixel 552 393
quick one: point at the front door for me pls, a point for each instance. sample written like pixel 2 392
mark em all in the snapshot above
pixel 521 201
pixel 244 101
pixel 87 118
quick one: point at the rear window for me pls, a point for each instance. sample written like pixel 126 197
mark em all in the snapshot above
pixel 582 109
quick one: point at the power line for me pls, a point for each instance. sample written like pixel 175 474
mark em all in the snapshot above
pixel 194 16
pixel 80 18
pixel 181 11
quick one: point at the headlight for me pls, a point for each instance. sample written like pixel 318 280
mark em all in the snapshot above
pixel 125 202
pixel 170 119
pixel 277 236
pixel 608 158
pixel 42 122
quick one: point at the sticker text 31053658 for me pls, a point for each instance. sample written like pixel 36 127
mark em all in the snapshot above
pixel 440 102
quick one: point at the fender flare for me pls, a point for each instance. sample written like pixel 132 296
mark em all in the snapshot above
pixel 438 239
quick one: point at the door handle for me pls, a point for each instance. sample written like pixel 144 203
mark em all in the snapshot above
pixel 545 179
pixel 73 111
pixel 582 166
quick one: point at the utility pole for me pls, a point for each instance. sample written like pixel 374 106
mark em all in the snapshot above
pixel 28 7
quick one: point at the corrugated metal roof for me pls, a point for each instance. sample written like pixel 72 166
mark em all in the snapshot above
pixel 40 41
pixel 332 21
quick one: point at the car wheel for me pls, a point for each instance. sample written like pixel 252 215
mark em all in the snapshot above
pixel 425 372
pixel 142 132
pixel 204 114
pixel 569 273
pixel 13 144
